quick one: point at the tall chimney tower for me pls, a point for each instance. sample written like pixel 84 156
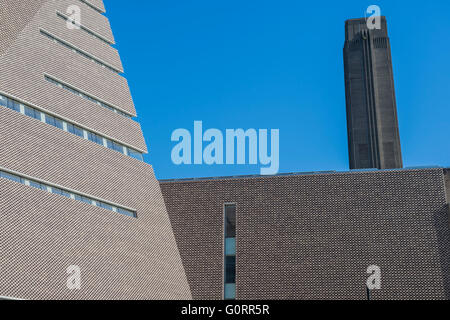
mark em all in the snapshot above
pixel 373 134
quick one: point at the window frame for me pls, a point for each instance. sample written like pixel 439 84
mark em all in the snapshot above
pixel 225 256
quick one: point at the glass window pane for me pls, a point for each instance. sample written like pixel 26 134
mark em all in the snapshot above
pixel 230 269
pixel 65 194
pixel 230 291
pixel 58 123
pixel 91 136
pixel 12 177
pixel 109 143
pixel 79 131
pixel 86 200
pixel 37 114
pixel 11 104
pixel 83 199
pixel 3 101
pixel 29 112
pixel 36 185
pixel 105 206
pixel 230 221
pixel 230 246
pixel 75 130
pixel 49 120
pixel 118 147
pixel 115 146
pixel 95 138
pixel 135 154
pixel 56 191
pixel 33 113
pixel 126 212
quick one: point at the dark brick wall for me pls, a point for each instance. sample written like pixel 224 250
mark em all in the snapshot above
pixel 313 236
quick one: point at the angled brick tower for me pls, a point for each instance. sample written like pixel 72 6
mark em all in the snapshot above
pixel 74 190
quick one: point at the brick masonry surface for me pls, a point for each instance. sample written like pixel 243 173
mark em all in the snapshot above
pixel 14 16
pixel 31 55
pixel 41 234
pixel 97 3
pixel 314 236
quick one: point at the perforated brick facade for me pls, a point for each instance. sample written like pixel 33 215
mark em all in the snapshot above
pixel 33 55
pixel 314 236
pixel 42 233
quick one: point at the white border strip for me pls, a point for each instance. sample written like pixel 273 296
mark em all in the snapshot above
pixel 10 298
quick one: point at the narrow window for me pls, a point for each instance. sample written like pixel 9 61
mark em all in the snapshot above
pixel 54 121
pixel 95 138
pixel 67 194
pixel 33 113
pixel 13 105
pixel 83 199
pixel 104 206
pixel 60 192
pixel 135 154
pixel 12 177
pixel 75 130
pixel 38 185
pixel 115 146
pixel 127 212
pixel 3 101
pixel 230 252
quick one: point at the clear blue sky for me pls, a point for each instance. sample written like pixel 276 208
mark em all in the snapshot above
pixel 277 65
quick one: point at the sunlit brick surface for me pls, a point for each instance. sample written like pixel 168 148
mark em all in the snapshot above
pixel 313 236
pixel 97 3
pixel 41 234
pixel 32 55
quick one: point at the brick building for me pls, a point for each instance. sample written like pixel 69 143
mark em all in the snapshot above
pixel 313 235
pixel 74 190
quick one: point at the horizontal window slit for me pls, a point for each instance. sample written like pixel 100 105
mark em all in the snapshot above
pixel 78 51
pixel 85 29
pixel 69 127
pixel 92 6
pixel 87 97
pixel 66 194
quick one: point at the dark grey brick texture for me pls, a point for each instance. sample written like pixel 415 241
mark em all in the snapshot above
pixel 314 236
